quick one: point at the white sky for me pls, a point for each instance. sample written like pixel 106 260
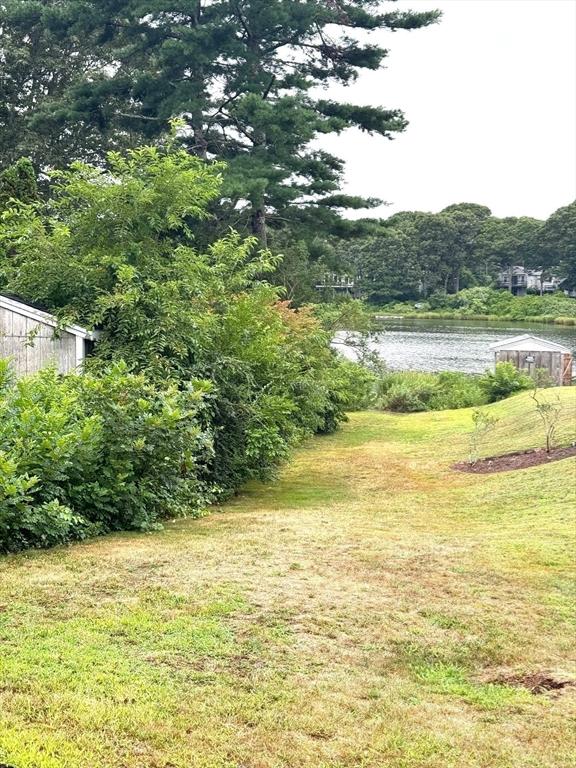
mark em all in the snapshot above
pixel 490 93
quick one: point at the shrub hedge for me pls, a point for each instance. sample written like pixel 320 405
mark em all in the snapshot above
pixel 83 455
pixel 410 391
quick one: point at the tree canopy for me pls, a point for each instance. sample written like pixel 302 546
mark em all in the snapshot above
pixel 243 74
pixel 413 254
pixel 556 242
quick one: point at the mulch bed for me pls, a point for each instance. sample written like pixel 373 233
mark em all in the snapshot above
pixel 518 460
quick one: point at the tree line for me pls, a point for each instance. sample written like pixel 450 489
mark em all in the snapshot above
pixel 414 254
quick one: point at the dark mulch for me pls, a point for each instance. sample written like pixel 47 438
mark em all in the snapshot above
pixel 537 682
pixel 518 460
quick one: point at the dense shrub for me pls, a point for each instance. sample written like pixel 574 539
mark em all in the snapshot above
pixel 116 249
pixel 353 386
pixel 410 391
pixel 406 391
pixel 482 301
pixel 506 380
pixel 88 454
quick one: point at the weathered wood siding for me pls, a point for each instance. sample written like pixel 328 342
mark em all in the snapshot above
pixel 558 365
pixel 567 367
pixel 31 346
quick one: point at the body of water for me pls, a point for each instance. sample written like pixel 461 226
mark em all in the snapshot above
pixel 451 345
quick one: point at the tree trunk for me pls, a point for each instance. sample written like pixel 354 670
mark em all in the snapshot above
pixel 258 223
pixel 200 143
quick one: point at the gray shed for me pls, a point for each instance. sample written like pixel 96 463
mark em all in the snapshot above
pixel 28 339
pixel 529 353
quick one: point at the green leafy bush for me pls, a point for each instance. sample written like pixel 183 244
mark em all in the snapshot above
pixel 506 380
pixel 410 391
pixel 354 386
pixel 490 303
pixel 456 390
pixel 134 439
pixel 88 454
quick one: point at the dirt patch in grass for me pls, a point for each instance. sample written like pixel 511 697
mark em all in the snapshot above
pixel 517 460
pixel 537 682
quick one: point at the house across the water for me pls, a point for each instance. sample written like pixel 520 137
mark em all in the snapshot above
pixel 531 353
pixel 519 281
pixel 32 339
pixel 336 283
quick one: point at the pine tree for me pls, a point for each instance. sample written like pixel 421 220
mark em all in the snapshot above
pixel 242 73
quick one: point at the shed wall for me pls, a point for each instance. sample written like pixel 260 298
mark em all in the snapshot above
pixel 553 362
pixel 31 345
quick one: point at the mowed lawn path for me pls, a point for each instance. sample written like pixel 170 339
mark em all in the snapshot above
pixel 362 611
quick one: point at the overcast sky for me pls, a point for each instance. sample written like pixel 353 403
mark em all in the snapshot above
pixel 490 93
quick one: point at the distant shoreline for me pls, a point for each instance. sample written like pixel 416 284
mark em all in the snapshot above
pixel 441 315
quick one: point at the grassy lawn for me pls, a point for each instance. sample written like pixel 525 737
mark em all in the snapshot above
pixel 356 613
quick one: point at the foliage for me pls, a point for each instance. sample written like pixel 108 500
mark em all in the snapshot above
pixel 242 75
pixel 549 412
pixel 90 454
pixel 506 380
pixel 42 56
pixel 428 257
pixel 385 265
pixel 484 422
pixel 115 248
pixel 482 301
pixel 509 241
pixel 411 391
pixel 355 385
pixel 18 182
pixel 557 242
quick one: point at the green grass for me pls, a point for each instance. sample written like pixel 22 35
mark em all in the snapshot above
pixel 456 315
pixel 353 614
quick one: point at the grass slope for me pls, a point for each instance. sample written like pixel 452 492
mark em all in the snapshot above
pixel 351 615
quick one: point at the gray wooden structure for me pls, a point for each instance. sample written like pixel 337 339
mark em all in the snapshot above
pixel 32 340
pixel 529 353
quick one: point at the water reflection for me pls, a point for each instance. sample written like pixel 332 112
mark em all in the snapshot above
pixel 451 345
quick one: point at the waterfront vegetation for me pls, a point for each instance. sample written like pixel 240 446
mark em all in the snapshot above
pixel 482 303
pixel 370 608
pixel 411 391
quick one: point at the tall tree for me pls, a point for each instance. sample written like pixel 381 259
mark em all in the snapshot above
pixel 467 220
pixel 386 266
pixel 557 242
pixel 506 242
pixel 242 73
pixel 42 54
pixel 18 182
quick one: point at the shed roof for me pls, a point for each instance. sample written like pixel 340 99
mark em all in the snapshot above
pixel 42 317
pixel 529 343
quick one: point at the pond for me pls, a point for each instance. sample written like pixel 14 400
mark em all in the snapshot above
pixel 451 345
